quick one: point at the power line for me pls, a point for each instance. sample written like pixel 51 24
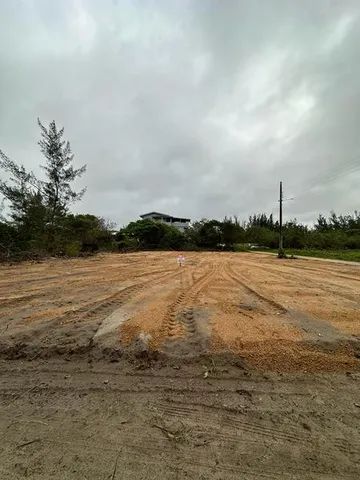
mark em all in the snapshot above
pixel 321 180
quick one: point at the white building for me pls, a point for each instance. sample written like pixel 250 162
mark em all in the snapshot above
pixel 180 223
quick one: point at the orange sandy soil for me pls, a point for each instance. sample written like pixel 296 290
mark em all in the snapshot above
pixel 284 315
pixel 237 366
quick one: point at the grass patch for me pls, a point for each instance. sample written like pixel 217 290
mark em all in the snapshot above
pixel 241 247
pixel 349 255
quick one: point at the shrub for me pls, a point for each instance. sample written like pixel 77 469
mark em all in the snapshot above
pixel 72 249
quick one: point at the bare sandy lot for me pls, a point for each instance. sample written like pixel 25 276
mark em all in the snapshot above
pixel 279 315
pixel 130 367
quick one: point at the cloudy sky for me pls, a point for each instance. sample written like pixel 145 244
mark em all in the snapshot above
pixel 191 107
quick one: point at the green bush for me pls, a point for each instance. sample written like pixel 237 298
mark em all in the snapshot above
pixel 150 234
pixel 126 244
pixel 353 242
pixel 72 249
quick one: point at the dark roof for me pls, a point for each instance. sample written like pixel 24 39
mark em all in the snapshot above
pixel 155 213
pixel 165 215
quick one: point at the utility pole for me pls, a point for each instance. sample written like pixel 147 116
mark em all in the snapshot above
pixel 280 220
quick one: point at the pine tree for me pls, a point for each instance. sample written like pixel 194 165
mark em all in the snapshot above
pixel 57 190
pixel 38 207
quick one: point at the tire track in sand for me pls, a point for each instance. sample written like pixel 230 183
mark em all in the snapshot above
pixel 233 423
pixel 186 297
pixel 294 278
pixel 125 294
pixel 100 309
pixel 239 279
pixel 232 420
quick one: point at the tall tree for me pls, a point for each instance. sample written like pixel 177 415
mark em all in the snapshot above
pixel 38 207
pixel 57 189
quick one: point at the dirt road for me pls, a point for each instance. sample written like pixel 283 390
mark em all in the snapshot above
pixel 72 420
pixel 130 367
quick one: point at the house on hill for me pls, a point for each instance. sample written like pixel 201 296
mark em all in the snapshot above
pixel 178 222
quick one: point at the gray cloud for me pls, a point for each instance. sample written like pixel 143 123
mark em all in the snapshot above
pixel 193 108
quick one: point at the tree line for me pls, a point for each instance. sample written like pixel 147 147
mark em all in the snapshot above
pixel 335 232
pixel 39 221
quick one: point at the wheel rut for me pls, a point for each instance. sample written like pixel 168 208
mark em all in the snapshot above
pixel 185 325
pixel 242 281
pixel 186 297
pixel 330 288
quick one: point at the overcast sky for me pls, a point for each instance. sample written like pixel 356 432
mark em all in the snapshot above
pixel 192 108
